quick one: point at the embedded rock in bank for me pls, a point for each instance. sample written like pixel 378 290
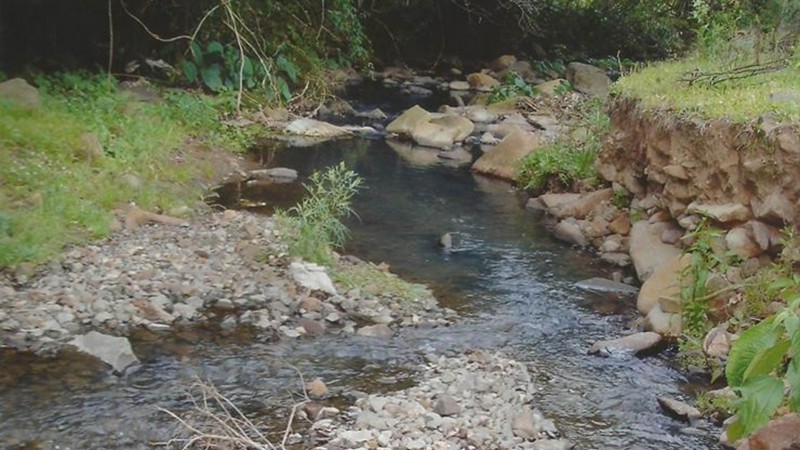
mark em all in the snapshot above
pixel 634 343
pixel 114 351
pixel 724 213
pixel 274 175
pixel 739 242
pixel 588 79
pixel 504 159
pixel 21 93
pixel 647 250
pixel 409 120
pixel 664 283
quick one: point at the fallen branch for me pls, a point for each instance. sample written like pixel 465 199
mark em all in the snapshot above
pixel 738 73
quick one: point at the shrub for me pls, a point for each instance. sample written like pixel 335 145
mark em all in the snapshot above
pixel 315 225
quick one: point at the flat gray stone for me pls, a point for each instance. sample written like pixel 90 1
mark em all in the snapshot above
pixel 634 343
pixel 605 285
pixel 113 350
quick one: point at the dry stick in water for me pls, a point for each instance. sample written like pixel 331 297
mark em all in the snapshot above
pixel 229 425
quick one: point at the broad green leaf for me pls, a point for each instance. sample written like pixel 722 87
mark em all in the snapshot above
pixel 287 67
pixel 747 347
pixel 189 71
pixel 766 361
pixel 212 77
pixel 793 378
pixel 247 69
pixel 197 54
pixel 215 47
pixel 283 89
pixel 760 398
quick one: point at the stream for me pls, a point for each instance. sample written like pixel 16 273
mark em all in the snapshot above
pixel 512 283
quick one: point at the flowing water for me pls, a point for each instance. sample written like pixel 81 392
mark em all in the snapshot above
pixel 512 283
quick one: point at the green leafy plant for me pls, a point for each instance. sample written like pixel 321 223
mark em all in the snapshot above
pixel 571 158
pixel 513 86
pixel 764 363
pixel 315 225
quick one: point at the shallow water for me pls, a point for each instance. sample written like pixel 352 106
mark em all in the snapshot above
pixel 509 279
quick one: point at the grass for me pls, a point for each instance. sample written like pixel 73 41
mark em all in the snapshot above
pixel 371 279
pixel 571 158
pixel 658 86
pixel 53 195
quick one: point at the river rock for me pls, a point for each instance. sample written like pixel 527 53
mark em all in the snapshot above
pixel 647 250
pixel 588 79
pixel 504 159
pixel 482 82
pixel 311 276
pixel 379 330
pixel 459 86
pixel 317 388
pixel 634 343
pixel 20 92
pixel 664 282
pixel 552 87
pixel 459 127
pixel 316 129
pixel 114 351
pixel 552 444
pixel 717 342
pixel 782 433
pixel 621 224
pixel 502 63
pixel 409 120
pixel 569 231
pixel 523 424
pixel 664 323
pixel 581 207
pixel 274 175
pixel 605 285
pixel 553 200
pixel 679 409
pixel 446 406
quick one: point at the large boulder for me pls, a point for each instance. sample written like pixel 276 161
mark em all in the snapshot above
pixel 664 283
pixel 114 351
pixel 504 159
pixel 20 92
pixel 588 79
pixel 442 132
pixel 408 121
pixel 647 250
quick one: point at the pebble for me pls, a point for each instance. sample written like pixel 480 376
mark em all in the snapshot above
pixel 152 277
pixel 470 401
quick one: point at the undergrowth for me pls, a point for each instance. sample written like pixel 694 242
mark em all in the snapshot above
pixel 571 158
pixel 374 280
pixel 55 191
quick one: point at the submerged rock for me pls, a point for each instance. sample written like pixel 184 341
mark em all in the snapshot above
pixel 679 409
pixel 605 285
pixel 634 343
pixel 114 351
